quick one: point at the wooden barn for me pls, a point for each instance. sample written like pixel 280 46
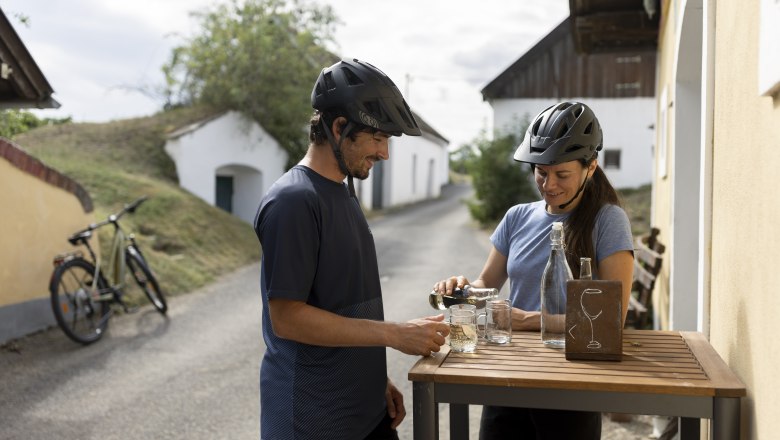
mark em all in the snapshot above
pixel 616 81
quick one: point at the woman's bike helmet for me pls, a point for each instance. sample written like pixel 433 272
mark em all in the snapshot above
pixel 561 133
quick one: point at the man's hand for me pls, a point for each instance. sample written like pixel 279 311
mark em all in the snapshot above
pixel 395 404
pixel 422 336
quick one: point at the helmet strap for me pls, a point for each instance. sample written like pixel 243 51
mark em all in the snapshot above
pixel 575 195
pixel 336 147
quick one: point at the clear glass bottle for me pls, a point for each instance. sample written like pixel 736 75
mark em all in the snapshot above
pixel 585 271
pixel 468 295
pixel 553 291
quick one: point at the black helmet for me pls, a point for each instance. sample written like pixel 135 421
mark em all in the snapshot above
pixel 366 95
pixel 561 133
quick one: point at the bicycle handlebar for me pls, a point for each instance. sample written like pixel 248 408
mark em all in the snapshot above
pixel 131 207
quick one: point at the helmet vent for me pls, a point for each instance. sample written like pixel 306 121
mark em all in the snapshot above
pixel 535 129
pixel 352 79
pixel 589 128
pixel 329 83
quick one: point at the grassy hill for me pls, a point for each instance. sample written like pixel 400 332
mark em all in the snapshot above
pixel 187 241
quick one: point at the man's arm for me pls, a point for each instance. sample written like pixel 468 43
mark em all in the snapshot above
pixel 301 322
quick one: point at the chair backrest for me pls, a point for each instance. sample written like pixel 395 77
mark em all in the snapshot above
pixel 648 257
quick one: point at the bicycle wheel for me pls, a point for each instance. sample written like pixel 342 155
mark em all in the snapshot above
pixel 146 279
pixel 81 312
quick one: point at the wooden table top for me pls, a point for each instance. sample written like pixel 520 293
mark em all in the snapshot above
pixel 657 362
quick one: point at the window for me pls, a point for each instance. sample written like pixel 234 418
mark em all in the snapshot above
pixel 612 159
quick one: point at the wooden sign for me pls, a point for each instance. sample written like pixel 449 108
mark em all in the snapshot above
pixel 594 325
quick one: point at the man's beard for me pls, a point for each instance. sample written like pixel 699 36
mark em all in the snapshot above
pixel 358 171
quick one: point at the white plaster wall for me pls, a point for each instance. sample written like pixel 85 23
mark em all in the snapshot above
pixel 410 182
pixel 626 123
pixel 398 179
pixel 225 142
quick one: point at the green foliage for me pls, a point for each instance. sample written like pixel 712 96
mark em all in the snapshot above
pixel 461 158
pixel 13 122
pixel 188 243
pixel 260 57
pixel 499 181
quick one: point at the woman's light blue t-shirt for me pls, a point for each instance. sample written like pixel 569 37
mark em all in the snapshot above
pixel 523 236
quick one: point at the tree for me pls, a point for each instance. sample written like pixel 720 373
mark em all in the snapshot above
pixel 13 122
pixel 260 57
pixel 499 181
pixel 461 158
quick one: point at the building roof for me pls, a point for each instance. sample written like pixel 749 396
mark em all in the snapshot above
pixel 554 68
pixel 22 84
pixel 424 126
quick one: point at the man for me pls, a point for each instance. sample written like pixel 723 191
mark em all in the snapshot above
pixel 324 373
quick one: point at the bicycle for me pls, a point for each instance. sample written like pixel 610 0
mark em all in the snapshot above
pixel 81 294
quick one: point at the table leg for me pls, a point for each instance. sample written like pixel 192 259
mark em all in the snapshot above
pixel 725 418
pixel 459 421
pixel 690 428
pixel 425 412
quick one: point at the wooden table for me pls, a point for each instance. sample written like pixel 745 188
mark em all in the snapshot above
pixel 662 373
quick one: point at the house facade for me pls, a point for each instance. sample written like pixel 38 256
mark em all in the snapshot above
pixel 714 178
pixel 618 84
pixel 228 161
pixel 40 206
pixel 418 168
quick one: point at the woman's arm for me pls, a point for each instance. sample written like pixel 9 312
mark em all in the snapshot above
pixel 619 266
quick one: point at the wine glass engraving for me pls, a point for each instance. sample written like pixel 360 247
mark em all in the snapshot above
pixel 586 293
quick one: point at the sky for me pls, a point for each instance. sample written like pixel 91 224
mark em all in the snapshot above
pixel 99 55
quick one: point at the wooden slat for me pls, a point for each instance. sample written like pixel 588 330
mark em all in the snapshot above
pixel 425 368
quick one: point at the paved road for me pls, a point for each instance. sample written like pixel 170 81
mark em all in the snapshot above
pixel 194 374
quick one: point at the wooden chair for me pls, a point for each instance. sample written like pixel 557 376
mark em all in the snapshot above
pixel 648 256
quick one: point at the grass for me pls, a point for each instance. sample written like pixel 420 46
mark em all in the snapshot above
pixel 188 242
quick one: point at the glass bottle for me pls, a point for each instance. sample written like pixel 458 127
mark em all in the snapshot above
pixel 468 295
pixel 553 291
pixel 585 270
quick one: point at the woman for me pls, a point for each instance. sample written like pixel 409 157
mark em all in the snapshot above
pixel 562 145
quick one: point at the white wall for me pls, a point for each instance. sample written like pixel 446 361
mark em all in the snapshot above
pixel 228 145
pixel 627 124
pixel 405 182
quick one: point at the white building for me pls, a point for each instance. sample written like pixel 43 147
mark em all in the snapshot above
pixel 418 168
pixel 227 160
pixel 619 85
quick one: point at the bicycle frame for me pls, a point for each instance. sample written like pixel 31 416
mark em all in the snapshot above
pixel 116 270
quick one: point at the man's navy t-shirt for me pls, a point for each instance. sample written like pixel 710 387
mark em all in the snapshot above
pixel 318 248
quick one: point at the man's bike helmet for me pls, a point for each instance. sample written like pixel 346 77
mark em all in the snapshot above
pixel 561 133
pixel 366 95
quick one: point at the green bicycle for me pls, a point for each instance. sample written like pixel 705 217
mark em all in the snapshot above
pixel 82 294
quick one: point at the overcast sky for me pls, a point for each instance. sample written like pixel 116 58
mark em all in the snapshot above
pixel 440 53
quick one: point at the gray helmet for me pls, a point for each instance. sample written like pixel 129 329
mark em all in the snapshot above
pixel 561 133
pixel 366 95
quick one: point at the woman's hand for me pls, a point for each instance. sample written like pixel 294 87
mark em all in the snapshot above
pixel 526 321
pixel 446 286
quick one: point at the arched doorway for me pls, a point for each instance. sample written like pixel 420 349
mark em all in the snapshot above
pixel 238 190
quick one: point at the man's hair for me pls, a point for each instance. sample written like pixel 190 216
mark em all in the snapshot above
pixel 317 135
